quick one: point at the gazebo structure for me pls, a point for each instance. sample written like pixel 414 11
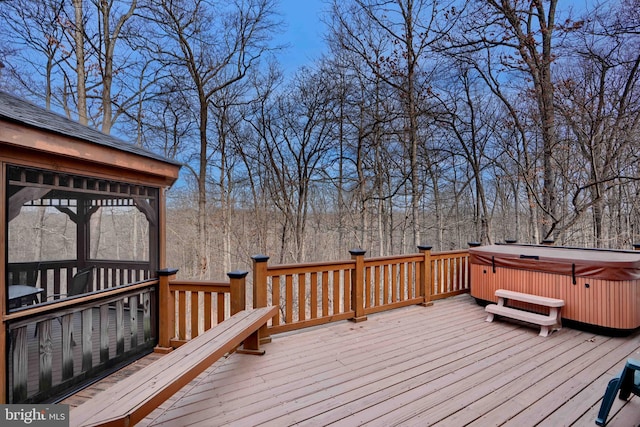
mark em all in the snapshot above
pixel 83 217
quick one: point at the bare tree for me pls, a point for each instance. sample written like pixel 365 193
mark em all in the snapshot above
pixel 108 36
pixel 81 80
pixel 468 115
pixel 296 138
pixel 411 29
pixel 209 46
pixel 521 33
pixel 599 105
pixel 38 26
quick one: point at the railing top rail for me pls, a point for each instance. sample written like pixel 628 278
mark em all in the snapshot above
pixel 55 307
pixel 394 259
pixel 99 262
pixel 445 254
pixel 311 267
pixel 199 286
pixel 59 264
pixel 31 264
pixel 173 283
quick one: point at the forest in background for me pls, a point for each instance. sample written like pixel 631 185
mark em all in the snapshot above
pixel 425 122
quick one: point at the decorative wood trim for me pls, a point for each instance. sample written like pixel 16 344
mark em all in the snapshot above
pixel 49 150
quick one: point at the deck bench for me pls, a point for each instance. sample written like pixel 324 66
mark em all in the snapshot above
pixel 548 323
pixel 130 400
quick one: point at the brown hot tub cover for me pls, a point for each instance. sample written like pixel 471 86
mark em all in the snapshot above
pixel 593 263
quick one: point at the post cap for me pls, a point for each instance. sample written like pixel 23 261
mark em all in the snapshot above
pixel 237 274
pixel 167 272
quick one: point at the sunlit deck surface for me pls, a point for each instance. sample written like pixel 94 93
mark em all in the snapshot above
pixel 440 365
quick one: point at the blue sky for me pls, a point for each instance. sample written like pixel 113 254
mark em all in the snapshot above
pixel 304 32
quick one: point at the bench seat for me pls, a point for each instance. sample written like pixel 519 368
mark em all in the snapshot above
pixel 525 316
pixel 130 400
pixel 548 323
pixel 531 299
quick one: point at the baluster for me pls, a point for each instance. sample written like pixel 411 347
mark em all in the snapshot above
pixel 67 346
pixel 20 364
pixel 314 295
pixel 146 316
pixel 133 320
pixel 336 292
pixel 87 330
pixel 104 333
pixel 325 293
pixel 45 344
pixel 120 327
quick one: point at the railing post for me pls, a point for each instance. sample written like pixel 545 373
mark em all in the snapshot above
pixel 166 311
pixel 357 285
pixel 260 291
pixel 426 279
pixel 237 280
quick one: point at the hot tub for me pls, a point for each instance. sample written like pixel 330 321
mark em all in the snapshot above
pixel 599 287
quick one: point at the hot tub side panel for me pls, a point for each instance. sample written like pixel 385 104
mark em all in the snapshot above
pixel 606 303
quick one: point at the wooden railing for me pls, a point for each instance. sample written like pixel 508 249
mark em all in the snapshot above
pixel 56 345
pixel 450 273
pixel 190 307
pixel 311 294
pixel 55 276
pixel 392 282
pixel 306 294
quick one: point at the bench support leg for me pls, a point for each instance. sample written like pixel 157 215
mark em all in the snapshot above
pixel 490 316
pixel 501 302
pixel 252 345
pixel 554 313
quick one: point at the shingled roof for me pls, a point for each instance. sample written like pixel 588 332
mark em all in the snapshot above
pixel 21 111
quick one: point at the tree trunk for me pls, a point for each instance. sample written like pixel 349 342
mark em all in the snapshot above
pixel 78 36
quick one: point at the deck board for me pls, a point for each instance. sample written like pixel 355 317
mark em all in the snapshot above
pixel 440 365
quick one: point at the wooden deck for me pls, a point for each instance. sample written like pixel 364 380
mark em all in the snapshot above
pixel 416 366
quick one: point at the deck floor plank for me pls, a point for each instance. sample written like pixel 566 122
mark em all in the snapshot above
pixel 564 383
pixel 486 397
pixel 412 366
pixel 304 393
pixel 419 402
pixel 316 361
